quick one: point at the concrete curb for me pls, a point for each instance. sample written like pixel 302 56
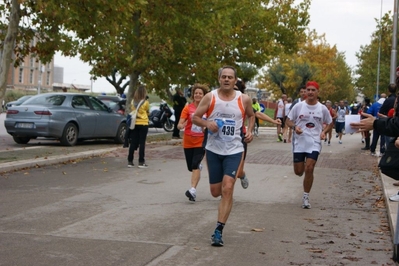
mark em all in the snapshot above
pixel 48 160
pixel 392 207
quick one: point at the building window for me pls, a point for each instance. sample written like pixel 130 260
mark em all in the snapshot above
pixel 31 76
pixel 32 62
pixel 48 78
pixel 21 75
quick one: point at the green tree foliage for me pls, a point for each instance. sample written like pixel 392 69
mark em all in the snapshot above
pixel 367 67
pixel 315 60
pixel 181 42
pixel 29 27
pixel 247 72
pixel 160 43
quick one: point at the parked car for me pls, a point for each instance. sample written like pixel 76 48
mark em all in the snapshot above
pixel 68 117
pixel 18 102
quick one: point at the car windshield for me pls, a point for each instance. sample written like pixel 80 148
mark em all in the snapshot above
pixel 46 100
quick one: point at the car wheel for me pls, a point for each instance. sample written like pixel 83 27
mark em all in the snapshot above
pixel 168 125
pixel 120 134
pixel 21 140
pixel 70 135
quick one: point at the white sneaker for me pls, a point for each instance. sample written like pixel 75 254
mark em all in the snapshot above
pixel 394 197
pixel 244 182
pixel 305 203
pixel 143 165
pixel 191 195
pixel 340 142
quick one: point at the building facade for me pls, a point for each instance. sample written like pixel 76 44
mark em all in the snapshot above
pixel 31 74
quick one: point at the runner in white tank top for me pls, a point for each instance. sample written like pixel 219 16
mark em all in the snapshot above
pixel 224 149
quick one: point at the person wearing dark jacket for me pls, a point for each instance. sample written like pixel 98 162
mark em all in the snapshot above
pixel 389 102
pixel 179 101
pixel 388 105
pixel 366 134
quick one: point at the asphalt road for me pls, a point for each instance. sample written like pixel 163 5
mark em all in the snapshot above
pixel 96 211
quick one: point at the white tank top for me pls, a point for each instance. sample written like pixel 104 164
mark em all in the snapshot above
pixel 228 139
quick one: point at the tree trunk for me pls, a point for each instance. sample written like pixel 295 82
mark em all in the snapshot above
pixel 134 76
pixel 8 47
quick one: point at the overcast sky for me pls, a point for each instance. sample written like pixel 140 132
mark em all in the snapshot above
pixel 346 23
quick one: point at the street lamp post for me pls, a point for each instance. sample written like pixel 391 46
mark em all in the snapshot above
pixel 379 56
pixel 392 77
pixel 91 84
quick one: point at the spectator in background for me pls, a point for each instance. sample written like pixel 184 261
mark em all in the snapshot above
pixel 354 108
pixel 335 106
pixel 256 107
pixel 342 111
pixel 365 134
pixel 373 110
pixel 287 131
pixel 388 105
pixel 333 117
pixel 279 114
pixel 138 135
pixel 302 96
pixel 179 101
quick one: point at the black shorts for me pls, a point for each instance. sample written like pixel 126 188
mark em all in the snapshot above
pixel 339 126
pixel 194 157
pixel 299 157
pixel 282 121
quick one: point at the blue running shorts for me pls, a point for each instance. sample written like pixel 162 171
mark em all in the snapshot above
pixel 221 165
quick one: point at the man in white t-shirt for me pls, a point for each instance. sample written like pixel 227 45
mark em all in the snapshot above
pixel 307 119
pixel 280 114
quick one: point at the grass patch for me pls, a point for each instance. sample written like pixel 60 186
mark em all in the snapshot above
pixel 270 113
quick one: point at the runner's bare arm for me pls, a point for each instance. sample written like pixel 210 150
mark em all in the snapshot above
pixel 201 110
pixel 249 112
pixel 267 118
pixel 326 129
pixel 182 123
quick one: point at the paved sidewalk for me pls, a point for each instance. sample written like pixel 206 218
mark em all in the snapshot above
pixel 131 216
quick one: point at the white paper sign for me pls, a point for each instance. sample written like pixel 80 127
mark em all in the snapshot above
pixel 351 119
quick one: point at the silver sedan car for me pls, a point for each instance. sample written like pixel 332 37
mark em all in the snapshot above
pixel 68 117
